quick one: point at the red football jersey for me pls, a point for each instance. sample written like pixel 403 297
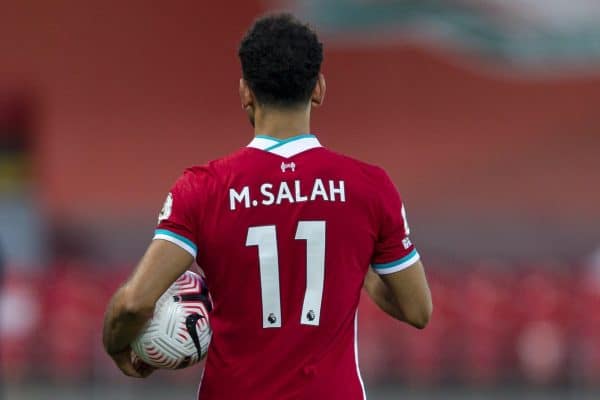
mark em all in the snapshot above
pixel 285 231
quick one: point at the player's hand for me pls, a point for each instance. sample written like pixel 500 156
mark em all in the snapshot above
pixel 131 365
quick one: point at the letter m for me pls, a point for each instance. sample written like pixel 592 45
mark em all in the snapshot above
pixel 235 197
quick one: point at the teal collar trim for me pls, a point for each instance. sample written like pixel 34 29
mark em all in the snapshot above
pixel 285 147
pixel 290 139
pixel 281 142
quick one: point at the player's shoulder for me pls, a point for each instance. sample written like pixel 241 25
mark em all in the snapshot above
pixel 373 173
pixel 212 171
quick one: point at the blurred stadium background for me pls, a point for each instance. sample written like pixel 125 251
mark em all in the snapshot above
pixel 486 114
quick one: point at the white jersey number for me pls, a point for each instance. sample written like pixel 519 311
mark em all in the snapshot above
pixel 265 237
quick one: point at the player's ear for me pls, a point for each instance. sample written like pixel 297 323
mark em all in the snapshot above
pixel 318 94
pixel 246 97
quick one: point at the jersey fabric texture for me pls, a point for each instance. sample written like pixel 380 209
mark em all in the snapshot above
pixel 285 231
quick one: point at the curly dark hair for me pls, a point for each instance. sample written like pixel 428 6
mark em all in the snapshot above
pixel 281 58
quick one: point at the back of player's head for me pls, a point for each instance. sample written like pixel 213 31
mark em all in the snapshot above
pixel 281 58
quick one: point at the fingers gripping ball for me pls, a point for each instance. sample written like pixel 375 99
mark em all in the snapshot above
pixel 179 332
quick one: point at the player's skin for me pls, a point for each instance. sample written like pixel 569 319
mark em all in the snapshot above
pixel 404 295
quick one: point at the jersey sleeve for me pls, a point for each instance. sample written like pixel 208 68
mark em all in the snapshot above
pixel 178 219
pixel 394 250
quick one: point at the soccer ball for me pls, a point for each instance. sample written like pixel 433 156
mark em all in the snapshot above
pixel 179 333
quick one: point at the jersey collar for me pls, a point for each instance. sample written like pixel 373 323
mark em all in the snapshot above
pixel 285 147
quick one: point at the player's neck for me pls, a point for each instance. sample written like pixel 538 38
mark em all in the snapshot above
pixel 282 124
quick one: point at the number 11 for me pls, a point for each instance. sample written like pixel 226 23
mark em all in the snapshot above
pixel 265 237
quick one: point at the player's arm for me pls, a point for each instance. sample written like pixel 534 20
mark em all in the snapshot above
pixel 133 304
pixel 397 282
pixel 169 255
pixel 403 295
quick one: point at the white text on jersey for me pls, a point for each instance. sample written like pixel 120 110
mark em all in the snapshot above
pixel 287 192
